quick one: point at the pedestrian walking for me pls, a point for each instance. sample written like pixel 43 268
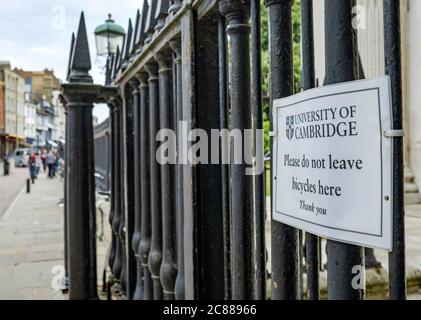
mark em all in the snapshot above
pixel 32 166
pixel 56 163
pixel 38 163
pixel 6 164
pixel 44 160
pixel 50 160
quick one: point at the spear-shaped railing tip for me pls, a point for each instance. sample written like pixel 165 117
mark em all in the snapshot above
pixel 81 60
pixel 141 34
pixel 133 45
pixel 72 46
pixel 150 22
pixel 125 53
pixel 117 61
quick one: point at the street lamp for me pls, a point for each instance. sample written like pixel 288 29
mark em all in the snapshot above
pixel 108 37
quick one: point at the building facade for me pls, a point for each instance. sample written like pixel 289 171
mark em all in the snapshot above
pixel 60 132
pixel 12 106
pixel 30 122
pixel 42 83
pixel 41 96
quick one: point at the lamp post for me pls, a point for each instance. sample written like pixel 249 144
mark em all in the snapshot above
pixel 108 37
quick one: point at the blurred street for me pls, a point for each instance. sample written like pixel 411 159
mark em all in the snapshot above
pixel 10 186
pixel 31 237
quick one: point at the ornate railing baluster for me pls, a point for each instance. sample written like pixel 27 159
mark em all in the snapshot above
pixel 122 225
pixel 155 254
pixel 66 178
pixel 284 238
pixel 179 283
pixel 311 241
pixel 145 190
pixel 224 149
pixel 393 68
pixel 237 13
pixel 138 294
pixel 168 270
pixel 259 253
pixel 129 189
pixel 117 266
pixel 112 106
pixel 112 253
pixel 341 67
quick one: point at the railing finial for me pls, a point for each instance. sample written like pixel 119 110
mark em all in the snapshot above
pixel 116 62
pixel 125 52
pixel 72 47
pixel 150 22
pixel 141 34
pixel 81 60
pixel 133 44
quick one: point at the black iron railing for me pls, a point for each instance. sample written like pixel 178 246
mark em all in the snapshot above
pixel 196 230
pixel 102 153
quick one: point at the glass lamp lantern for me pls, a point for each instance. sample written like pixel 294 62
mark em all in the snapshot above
pixel 108 36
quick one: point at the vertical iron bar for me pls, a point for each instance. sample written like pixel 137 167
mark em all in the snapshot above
pixel 66 205
pixel 392 46
pixel 311 241
pixel 145 186
pixel 223 120
pixel 90 156
pixel 138 293
pixel 168 271
pixel 112 253
pixel 122 226
pixel 155 254
pixel 284 238
pixel 210 238
pixel 259 254
pixel 179 283
pixel 341 67
pixel 129 195
pixel 66 176
pixel 237 13
pixel 117 266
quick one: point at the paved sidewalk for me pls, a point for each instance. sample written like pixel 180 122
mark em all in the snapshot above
pixel 31 240
pixel 11 185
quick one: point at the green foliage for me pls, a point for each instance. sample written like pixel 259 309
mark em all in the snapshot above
pixel 296 29
pixel 296 37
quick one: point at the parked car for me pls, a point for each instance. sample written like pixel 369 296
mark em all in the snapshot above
pixel 21 157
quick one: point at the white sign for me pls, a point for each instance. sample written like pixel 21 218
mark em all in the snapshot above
pixel 332 172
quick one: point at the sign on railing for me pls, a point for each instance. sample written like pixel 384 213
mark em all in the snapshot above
pixel 333 156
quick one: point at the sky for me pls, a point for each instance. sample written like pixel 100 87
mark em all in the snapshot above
pixel 35 34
